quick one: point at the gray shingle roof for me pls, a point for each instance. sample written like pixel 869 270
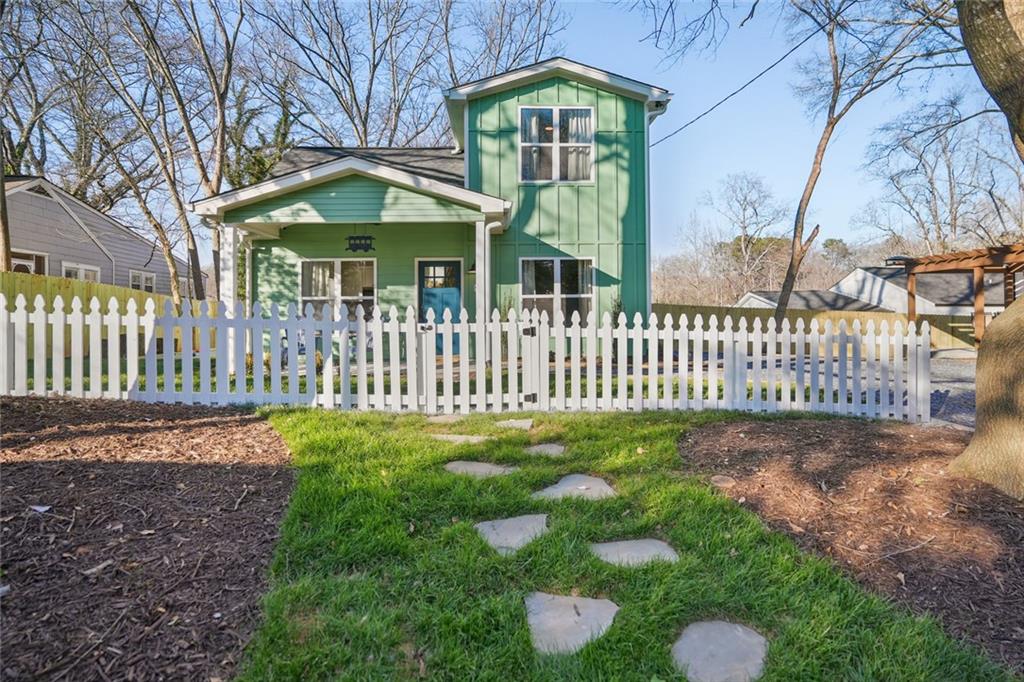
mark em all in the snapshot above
pixel 435 163
pixel 819 299
pixel 943 288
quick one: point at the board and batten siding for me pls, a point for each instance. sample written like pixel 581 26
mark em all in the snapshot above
pixel 351 199
pixel 396 248
pixel 604 219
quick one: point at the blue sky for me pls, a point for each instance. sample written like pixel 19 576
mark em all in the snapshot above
pixel 764 129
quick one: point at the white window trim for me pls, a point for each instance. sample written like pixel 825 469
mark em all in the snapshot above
pixel 555 145
pixel 81 266
pixel 557 296
pixel 142 274
pixel 462 283
pixel 335 299
pixel 46 259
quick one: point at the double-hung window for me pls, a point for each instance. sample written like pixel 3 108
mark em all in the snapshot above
pixel 331 282
pixel 86 273
pixel 143 281
pixel 563 285
pixel 556 144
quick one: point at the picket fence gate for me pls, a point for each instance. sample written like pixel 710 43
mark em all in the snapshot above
pixel 525 361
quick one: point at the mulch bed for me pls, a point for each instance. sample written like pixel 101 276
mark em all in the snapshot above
pixel 147 555
pixel 876 498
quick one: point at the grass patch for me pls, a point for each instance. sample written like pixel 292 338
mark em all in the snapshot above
pixel 380 574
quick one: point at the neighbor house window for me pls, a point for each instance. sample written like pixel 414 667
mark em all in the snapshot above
pixel 86 273
pixel 558 284
pixel 143 281
pixel 27 261
pixel 332 282
pixel 556 144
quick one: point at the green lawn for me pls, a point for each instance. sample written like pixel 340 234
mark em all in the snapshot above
pixel 378 561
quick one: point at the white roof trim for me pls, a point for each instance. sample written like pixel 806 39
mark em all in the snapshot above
pixel 556 66
pixel 214 207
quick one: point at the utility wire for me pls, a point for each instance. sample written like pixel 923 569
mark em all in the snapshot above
pixel 742 87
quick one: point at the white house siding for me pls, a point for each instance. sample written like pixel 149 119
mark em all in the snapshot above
pixel 873 289
pixel 39 224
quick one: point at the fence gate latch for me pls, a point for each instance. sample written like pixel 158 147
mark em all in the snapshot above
pixel 529 331
pixel 530 398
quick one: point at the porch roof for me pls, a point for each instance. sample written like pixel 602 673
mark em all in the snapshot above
pixel 461 202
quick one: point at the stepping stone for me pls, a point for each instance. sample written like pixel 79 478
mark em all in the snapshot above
pixel 508 535
pixel 717 651
pixel 478 469
pixel 444 418
pixel 722 481
pixel 459 438
pixel 576 485
pixel 563 625
pixel 634 552
pixel 546 449
pixel 524 424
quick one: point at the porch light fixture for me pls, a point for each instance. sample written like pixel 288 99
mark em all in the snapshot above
pixel 360 242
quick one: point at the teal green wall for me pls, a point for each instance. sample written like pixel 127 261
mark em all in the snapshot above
pixel 276 262
pixel 604 219
pixel 353 198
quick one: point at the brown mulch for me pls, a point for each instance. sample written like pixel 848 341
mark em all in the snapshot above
pixel 876 498
pixel 149 556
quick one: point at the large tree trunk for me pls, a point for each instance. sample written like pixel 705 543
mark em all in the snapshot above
pixel 993 32
pixel 996 453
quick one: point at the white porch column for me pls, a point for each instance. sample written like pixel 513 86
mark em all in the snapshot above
pixel 481 285
pixel 228 284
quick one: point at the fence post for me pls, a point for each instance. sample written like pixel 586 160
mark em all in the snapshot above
pixel 496 372
pixel 447 357
pixel 429 363
pixel 543 365
pixel 480 339
pixel 464 346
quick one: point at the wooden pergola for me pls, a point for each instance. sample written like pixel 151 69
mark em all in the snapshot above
pixel 1007 259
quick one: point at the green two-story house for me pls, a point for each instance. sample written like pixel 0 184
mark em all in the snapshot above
pixel 544 202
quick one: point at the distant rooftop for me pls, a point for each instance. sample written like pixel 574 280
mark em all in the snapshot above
pixel 943 288
pixel 819 299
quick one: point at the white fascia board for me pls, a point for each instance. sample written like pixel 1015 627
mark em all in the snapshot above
pixel 214 207
pixel 555 67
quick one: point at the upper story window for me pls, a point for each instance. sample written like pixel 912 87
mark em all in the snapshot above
pixel 556 144
pixel 143 281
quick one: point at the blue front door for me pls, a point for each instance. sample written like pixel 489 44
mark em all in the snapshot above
pixel 440 286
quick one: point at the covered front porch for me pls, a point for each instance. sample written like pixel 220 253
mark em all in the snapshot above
pixel 353 232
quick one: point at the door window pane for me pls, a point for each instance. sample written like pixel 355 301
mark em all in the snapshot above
pixel 538 277
pixel 440 277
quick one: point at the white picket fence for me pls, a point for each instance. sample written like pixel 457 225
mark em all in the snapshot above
pixel 523 362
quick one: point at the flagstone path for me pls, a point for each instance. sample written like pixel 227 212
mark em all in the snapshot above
pixel 707 651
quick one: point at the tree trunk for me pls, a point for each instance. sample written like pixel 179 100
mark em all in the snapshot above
pixel 993 33
pixel 5 228
pixel 996 453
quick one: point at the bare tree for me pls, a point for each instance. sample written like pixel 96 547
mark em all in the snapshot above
pixel 368 75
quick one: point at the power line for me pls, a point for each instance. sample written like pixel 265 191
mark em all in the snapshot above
pixel 742 87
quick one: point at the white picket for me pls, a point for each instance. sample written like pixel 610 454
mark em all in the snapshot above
pixel 376 351
pixel 842 368
pixel 800 366
pixel 543 364
pixel 607 353
pixel 591 343
pixel 740 363
pixel 94 321
pixel 871 397
pixel 786 366
pixel 395 359
pixel 771 339
pixel 651 402
pixel 6 352
pixel 412 361
pixel 924 374
pixel 884 395
pixel 513 335
pixel 559 333
pixel 728 358
pixel 58 324
pixel 496 369
pixel 830 371
pixel 757 363
pixel 464 346
pixel 912 368
pixel 683 335
pixel 185 329
pixel 856 370
pixel 814 367
pixel 447 375
pixel 638 362
pixel 574 361
pixel 697 335
pixel 622 390
pixel 667 362
pixel 39 339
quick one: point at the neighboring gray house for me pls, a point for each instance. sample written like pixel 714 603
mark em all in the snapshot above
pixel 53 233
pixel 884 288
